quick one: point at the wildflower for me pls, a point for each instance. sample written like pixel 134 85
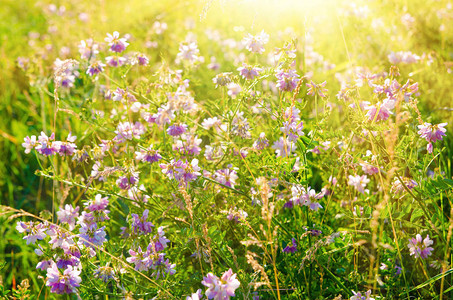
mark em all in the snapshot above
pixel 46 144
pixel 116 43
pixel 159 27
pixel 88 49
pixel 249 72
pixel 98 204
pixel 188 144
pixel 432 133
pixel 222 79
pixel 369 169
pixel 191 171
pixel 104 273
pixel 420 248
pixel 188 52
pixel 162 240
pixel 95 68
pixel 223 288
pixel 397 186
pixel 115 61
pixel 293 130
pixel 284 147
pixel 405 57
pixel 291 248
pixel 195 296
pixel 65 283
pixel 90 234
pixel 287 80
pixel 233 89
pixel 149 155
pixel 29 143
pixel 177 129
pixel 66 148
pixel 261 142
pixel 139 258
pixel 240 126
pixel 226 177
pixel 380 111
pixel 256 43
pixel 359 182
pixel 125 182
pixel 68 215
pixel 319 89
pixel 140 225
pixel 359 296
pixel 174 169
pixel 34 231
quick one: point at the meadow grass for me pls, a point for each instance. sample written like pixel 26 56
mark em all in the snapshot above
pixel 356 242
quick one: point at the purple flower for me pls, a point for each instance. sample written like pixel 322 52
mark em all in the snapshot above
pixel 115 61
pixel 261 142
pixel 319 89
pixel 284 147
pixel 34 231
pixel 104 273
pixel 380 111
pixel 188 52
pixel 195 296
pixel 149 155
pixel 420 248
pixel 249 72
pixel 397 186
pixel 177 129
pixel 125 182
pixel 162 240
pixel 293 130
pixel 287 80
pixel 432 133
pixel 95 68
pixel 291 248
pixel 140 225
pixel 98 204
pixel 116 43
pixel 65 283
pixel 91 234
pixel 66 148
pixel 359 296
pixel 46 144
pixel 68 215
pixel 29 143
pixel 174 169
pixel 139 258
pixel 223 288
pixel 226 177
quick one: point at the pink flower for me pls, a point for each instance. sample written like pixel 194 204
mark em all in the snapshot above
pixel 223 288
pixel 432 133
pixel 420 248
pixel 382 110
